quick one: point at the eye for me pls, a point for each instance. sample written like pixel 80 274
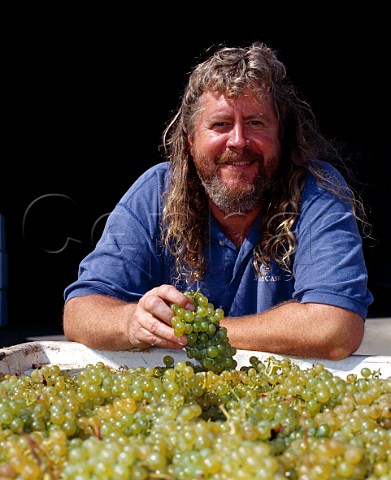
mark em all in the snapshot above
pixel 257 123
pixel 220 127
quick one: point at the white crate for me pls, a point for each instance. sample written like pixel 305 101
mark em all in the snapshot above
pixel 73 356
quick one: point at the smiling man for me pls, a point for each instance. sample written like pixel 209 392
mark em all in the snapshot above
pixel 247 207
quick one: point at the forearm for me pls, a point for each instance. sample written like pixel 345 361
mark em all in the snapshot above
pixel 306 330
pixel 106 323
pixel 98 321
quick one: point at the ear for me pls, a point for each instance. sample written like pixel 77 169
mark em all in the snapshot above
pixel 190 144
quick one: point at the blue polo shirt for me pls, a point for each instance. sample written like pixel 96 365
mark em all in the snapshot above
pixel 328 264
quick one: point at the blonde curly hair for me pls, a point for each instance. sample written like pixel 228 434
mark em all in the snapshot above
pixel 185 223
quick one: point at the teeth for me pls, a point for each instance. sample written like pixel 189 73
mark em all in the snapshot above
pixel 239 163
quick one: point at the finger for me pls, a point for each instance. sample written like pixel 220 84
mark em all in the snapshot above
pixel 162 332
pixel 157 310
pixel 157 305
pixel 171 295
pixel 163 343
pixel 155 332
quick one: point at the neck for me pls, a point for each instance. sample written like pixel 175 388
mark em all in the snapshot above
pixel 235 226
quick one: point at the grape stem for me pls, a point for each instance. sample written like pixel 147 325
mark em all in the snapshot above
pixel 228 417
pixel 33 447
pixel 270 367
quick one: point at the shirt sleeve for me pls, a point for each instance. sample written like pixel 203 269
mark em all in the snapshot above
pixel 127 260
pixel 329 264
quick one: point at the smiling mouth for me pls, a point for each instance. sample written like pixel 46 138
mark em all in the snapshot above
pixel 238 163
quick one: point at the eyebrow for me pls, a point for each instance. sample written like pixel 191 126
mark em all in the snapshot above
pixel 263 116
pixel 254 116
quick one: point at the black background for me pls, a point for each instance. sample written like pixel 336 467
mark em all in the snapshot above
pixel 89 93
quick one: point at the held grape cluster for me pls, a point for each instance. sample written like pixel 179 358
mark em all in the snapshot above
pixel 208 342
pixel 270 420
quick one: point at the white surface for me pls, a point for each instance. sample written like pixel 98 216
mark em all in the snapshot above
pixel 24 357
pixel 377 337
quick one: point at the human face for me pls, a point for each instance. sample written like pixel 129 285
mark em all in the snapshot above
pixel 235 148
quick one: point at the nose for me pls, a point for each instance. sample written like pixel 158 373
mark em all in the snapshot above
pixel 237 137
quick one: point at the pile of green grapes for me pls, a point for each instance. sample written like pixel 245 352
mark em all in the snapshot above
pixel 269 420
pixel 208 342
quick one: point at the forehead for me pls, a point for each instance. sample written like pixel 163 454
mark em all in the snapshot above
pixel 248 101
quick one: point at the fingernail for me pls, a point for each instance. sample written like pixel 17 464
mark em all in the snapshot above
pixel 182 340
pixel 189 306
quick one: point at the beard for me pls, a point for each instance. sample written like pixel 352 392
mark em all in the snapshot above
pixel 242 198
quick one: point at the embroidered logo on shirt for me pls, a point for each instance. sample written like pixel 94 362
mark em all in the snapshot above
pixel 270 278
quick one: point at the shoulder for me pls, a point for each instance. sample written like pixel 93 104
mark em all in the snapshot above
pixel 150 184
pixel 325 194
pixel 325 181
pixel 141 204
pixel 157 174
pixel 325 175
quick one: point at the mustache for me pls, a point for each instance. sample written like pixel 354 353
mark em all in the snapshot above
pixel 244 156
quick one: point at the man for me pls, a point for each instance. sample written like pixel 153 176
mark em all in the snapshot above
pixel 248 209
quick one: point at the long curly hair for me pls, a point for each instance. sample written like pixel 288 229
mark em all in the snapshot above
pixel 185 224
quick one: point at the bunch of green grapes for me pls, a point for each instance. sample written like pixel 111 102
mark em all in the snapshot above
pixel 207 340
